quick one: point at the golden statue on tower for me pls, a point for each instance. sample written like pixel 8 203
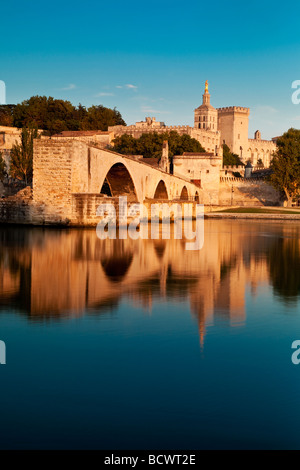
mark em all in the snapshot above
pixel 206 87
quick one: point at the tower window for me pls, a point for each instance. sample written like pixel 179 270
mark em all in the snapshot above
pixel 239 136
pixel 204 125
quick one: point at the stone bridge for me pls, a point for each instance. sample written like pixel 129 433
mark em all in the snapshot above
pixel 71 178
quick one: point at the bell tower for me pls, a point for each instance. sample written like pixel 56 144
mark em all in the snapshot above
pixel 206 116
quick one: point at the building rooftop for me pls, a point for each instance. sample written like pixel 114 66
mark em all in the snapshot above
pixel 80 133
pixel 196 154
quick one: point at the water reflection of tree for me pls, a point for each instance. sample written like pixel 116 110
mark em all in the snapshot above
pixel 284 267
pixel 19 267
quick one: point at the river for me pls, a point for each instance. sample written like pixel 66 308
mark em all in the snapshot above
pixel 128 344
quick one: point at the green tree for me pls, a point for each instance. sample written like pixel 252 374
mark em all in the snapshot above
pixel 2 167
pixel 229 158
pixel 6 114
pixel 285 165
pixel 125 144
pixel 150 144
pixel 54 116
pixel 99 117
pixel 45 113
pixel 21 157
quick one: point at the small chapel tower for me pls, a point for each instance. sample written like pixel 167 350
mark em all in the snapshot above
pixel 164 161
pixel 206 116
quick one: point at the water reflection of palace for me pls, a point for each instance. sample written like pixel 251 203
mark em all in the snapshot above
pixel 49 273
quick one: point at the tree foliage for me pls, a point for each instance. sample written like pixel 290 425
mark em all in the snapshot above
pixel 2 167
pixel 6 114
pixel 284 266
pixel 150 144
pixel 99 117
pixel 229 158
pixel 285 165
pixel 21 156
pixel 55 116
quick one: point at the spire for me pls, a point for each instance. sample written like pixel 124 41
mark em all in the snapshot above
pixel 206 96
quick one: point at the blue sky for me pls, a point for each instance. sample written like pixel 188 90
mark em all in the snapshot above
pixel 152 58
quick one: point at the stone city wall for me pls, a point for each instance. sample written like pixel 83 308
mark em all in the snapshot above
pixel 15 212
pixel 249 192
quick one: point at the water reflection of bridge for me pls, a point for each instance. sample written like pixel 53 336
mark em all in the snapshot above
pixel 55 273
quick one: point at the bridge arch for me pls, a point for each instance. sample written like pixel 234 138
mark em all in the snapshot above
pixel 184 195
pixel 159 248
pixel 106 188
pixel 119 182
pixel 161 191
pixel 116 265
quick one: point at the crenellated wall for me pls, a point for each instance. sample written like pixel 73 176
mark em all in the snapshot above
pixel 209 139
pixel 260 149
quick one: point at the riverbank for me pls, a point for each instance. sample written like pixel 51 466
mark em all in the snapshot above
pixel 255 213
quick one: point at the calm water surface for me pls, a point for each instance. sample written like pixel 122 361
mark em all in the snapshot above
pixel 123 344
